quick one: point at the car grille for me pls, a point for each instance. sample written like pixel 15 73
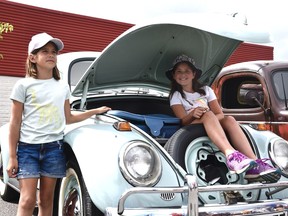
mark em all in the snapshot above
pixel 167 196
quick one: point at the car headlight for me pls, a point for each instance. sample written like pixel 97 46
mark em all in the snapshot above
pixel 278 151
pixel 140 164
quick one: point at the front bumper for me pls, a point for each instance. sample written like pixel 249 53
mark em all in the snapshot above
pixel 269 207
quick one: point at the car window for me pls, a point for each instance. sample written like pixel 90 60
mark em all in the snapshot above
pixel 280 82
pixel 241 93
pixel 77 69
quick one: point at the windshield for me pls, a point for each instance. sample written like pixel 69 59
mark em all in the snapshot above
pixel 280 82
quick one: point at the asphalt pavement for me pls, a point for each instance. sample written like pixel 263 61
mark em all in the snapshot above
pixel 10 209
pixel 7 209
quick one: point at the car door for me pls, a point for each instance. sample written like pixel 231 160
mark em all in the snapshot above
pixel 244 95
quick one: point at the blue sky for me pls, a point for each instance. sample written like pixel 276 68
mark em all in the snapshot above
pixel 266 15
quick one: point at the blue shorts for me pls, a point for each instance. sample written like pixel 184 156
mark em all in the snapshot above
pixel 35 160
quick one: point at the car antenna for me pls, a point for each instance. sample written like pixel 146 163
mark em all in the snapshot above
pixel 285 98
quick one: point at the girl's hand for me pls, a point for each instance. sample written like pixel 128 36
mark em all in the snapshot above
pixel 12 168
pixel 103 109
pixel 198 112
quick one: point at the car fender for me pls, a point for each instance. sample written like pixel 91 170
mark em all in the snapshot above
pixel 4 145
pixel 95 164
pixel 260 139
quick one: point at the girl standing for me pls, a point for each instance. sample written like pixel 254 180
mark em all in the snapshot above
pixel 194 103
pixel 40 109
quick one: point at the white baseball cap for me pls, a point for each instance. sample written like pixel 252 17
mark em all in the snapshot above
pixel 41 39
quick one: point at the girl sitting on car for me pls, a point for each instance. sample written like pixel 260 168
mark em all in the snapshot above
pixel 195 103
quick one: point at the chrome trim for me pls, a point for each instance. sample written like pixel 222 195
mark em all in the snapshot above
pixel 193 208
pixel 262 209
pixel 262 122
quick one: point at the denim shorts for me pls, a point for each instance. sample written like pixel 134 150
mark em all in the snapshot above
pixel 35 160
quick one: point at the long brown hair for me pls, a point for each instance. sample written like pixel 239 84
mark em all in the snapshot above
pixel 31 68
pixel 196 85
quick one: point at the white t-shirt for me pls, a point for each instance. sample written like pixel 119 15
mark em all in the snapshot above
pixel 43 117
pixel 193 100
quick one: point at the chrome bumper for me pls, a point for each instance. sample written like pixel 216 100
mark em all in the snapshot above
pixel 270 207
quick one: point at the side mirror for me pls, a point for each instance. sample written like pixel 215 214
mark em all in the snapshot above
pixel 253 98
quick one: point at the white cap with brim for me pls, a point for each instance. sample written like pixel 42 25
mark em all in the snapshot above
pixel 41 39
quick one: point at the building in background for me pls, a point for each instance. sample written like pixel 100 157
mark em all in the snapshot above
pixel 78 32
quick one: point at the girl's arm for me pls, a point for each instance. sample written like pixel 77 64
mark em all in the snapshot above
pixel 14 134
pixel 216 109
pixel 73 117
pixel 187 119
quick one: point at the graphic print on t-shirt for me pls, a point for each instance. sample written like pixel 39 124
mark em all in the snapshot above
pixel 48 114
pixel 201 102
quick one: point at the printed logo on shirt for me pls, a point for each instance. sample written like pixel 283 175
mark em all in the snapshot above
pixel 201 102
pixel 48 114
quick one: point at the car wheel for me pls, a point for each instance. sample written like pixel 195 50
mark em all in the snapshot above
pixel 73 196
pixel 177 144
pixel 7 193
pixel 191 148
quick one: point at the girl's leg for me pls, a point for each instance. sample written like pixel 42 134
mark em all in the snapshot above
pixel 238 138
pixel 236 161
pixel 27 199
pixel 263 172
pixel 46 196
pixel 215 132
pixel 53 164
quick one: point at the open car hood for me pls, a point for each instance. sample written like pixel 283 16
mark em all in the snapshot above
pixel 140 56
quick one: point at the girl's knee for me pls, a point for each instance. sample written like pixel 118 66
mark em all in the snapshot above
pixel 229 119
pixel 45 202
pixel 27 202
pixel 209 118
pixel 229 122
pixel 208 115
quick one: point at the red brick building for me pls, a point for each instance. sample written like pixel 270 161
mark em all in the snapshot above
pixel 77 32
pixel 251 52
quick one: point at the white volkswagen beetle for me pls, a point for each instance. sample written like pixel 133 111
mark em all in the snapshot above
pixel 136 159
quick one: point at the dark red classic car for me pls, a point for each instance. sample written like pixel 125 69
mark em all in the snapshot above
pixel 256 93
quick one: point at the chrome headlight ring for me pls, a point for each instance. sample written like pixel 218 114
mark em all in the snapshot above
pixel 278 152
pixel 140 164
